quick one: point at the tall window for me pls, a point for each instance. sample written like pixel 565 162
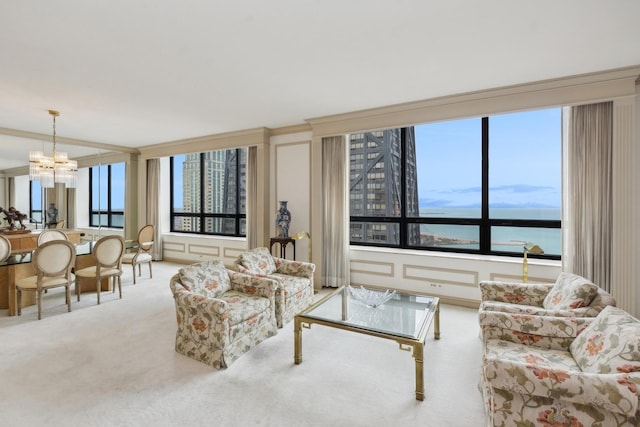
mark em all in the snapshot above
pixel 35 205
pixel 208 192
pixel 106 195
pixel 484 185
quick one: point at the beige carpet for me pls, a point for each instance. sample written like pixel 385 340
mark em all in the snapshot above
pixel 114 365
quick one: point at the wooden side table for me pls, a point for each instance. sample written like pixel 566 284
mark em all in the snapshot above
pixel 283 242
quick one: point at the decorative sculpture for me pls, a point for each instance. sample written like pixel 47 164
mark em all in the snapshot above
pixel 12 216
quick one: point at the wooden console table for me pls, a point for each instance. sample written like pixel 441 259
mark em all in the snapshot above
pixel 283 242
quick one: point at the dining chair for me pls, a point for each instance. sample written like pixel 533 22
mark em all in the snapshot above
pixel 107 255
pixel 5 248
pixel 53 262
pixel 142 255
pixel 51 234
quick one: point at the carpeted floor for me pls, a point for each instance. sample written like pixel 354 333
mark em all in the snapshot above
pixel 114 365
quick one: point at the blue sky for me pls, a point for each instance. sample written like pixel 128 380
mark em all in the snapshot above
pixel 525 161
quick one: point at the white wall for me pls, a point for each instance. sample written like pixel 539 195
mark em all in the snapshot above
pixel 291 181
pixel 453 277
pixel 21 196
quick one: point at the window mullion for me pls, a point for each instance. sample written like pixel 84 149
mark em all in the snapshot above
pixel 485 226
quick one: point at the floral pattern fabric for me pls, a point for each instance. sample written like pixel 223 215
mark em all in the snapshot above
pixel 570 291
pixel 258 261
pixel 218 330
pixel 548 332
pixel 609 345
pixel 528 385
pixel 528 298
pixel 209 278
pixel 294 278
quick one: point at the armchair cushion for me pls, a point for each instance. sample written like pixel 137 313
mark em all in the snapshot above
pixel 610 344
pixel 569 292
pixel 208 278
pixel 257 262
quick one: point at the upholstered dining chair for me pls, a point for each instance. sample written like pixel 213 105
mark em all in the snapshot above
pixel 5 248
pixel 53 262
pixel 107 255
pixel 142 255
pixel 51 234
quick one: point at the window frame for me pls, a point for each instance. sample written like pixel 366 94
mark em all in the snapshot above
pixel 202 216
pixel 484 222
pixel 32 211
pixel 109 212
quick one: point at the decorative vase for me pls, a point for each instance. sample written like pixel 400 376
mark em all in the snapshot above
pixel 283 218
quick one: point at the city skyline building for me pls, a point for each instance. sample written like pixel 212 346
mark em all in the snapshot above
pixel 376 187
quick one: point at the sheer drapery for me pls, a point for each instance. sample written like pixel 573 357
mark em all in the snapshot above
pixel 153 209
pixel 251 211
pixel 588 212
pixel 335 189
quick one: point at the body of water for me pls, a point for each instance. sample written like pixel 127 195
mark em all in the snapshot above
pixel 509 239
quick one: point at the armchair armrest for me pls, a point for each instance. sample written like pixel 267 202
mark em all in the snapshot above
pixel 613 392
pixel 295 268
pixel 253 285
pixel 548 332
pixel 532 310
pixel 514 293
pixel 202 319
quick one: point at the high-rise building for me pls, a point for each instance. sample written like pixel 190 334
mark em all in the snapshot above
pixel 217 193
pixel 376 183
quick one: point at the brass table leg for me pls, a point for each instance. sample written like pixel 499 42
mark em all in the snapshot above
pixel 418 351
pixel 297 341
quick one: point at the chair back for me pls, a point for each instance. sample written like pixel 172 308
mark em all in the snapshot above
pixel 108 251
pixel 5 248
pixel 54 258
pixel 51 234
pixel 145 237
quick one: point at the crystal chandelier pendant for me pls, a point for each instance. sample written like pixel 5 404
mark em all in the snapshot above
pixel 55 169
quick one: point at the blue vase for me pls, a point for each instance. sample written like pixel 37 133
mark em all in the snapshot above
pixel 283 218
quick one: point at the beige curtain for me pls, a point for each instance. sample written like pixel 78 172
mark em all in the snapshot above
pixel 252 198
pixel 153 210
pixel 71 208
pixel 335 189
pixel 588 216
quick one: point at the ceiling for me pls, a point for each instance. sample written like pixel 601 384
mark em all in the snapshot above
pixel 138 73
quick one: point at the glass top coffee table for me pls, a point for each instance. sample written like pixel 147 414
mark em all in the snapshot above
pixel 405 319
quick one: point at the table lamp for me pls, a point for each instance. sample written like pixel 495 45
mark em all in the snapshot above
pixel 529 248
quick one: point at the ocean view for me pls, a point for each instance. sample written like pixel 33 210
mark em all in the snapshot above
pixel 510 239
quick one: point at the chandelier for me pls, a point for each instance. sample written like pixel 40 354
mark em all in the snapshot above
pixel 57 169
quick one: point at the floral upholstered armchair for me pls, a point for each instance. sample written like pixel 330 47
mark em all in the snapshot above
pixel 295 280
pixel 594 381
pixel 221 314
pixel 544 315
pixel 570 296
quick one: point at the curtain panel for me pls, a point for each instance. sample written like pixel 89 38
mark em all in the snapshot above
pixel 335 189
pixel 153 210
pixel 251 210
pixel 589 211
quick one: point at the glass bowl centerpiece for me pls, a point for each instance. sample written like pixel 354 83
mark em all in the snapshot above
pixel 369 297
